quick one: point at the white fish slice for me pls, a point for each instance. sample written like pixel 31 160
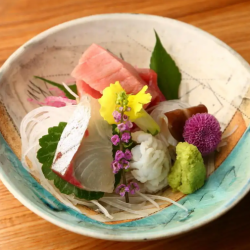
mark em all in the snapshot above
pixel 92 162
pixel 72 136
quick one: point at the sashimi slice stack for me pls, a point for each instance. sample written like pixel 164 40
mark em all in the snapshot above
pixel 98 68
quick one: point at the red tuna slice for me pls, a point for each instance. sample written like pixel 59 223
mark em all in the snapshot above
pixel 150 77
pixel 98 68
pixel 84 88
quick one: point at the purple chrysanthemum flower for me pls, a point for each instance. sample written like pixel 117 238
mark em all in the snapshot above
pixel 116 166
pixel 121 109
pixel 122 127
pixel 128 154
pixel 129 125
pixel 125 117
pixel 125 164
pixel 203 131
pixel 122 189
pixel 117 116
pixel 115 139
pixel 133 187
pixel 119 155
pixel 125 137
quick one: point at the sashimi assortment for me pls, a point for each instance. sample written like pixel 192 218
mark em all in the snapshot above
pixel 117 138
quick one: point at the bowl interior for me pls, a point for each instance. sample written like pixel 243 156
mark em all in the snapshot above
pixel 212 74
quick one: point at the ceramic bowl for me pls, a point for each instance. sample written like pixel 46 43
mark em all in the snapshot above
pixel 212 74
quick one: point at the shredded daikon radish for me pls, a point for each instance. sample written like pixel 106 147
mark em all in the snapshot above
pixel 132 199
pixel 148 198
pixel 209 163
pixel 152 206
pixel 70 91
pixel 114 204
pixel 24 159
pixel 76 201
pixel 220 145
pixel 224 136
pixel 158 115
pixel 35 125
pixel 133 206
pixel 230 132
pixel 111 209
pixel 103 209
pixel 157 197
pixel 57 194
pixel 167 106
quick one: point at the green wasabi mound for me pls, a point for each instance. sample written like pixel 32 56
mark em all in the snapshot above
pixel 188 173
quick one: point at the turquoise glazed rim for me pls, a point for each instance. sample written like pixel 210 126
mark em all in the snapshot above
pixel 223 189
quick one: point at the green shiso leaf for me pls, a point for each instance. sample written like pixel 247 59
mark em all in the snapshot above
pixel 168 74
pixel 45 156
pixel 61 87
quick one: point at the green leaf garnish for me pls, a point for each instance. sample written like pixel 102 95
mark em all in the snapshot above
pixel 45 156
pixel 168 74
pixel 61 87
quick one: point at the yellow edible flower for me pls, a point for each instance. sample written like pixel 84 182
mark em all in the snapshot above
pixel 108 101
pixel 115 97
pixel 135 102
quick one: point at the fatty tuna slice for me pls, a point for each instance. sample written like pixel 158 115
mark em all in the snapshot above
pixel 150 77
pixel 98 68
pixel 84 88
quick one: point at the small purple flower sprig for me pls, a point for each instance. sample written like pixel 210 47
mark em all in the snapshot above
pixel 122 141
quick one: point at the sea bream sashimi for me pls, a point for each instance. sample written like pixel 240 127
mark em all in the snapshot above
pixel 84 152
pixel 70 141
pixel 98 68
pixel 92 163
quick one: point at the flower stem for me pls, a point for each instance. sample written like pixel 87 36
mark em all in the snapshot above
pixel 123 171
pixel 125 182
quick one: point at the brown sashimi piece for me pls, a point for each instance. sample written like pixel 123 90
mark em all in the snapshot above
pixel 178 117
pixel 99 68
